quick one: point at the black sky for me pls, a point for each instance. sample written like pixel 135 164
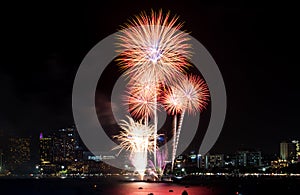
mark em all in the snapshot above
pixel 255 46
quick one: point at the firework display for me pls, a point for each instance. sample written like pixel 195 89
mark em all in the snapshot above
pixel 154 56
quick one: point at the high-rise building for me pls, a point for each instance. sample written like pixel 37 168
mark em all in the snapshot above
pixel 59 148
pixel 216 160
pixel 18 154
pixel 1 161
pixel 64 144
pixel 248 158
pixel 46 149
pixel 284 150
pixel 212 160
pixel 288 150
pixel 2 140
pixel 297 150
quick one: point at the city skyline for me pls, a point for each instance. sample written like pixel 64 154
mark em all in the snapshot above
pixel 253 47
pixel 34 142
pixel 64 148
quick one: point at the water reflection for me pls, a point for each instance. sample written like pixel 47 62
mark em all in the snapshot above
pixel 139 188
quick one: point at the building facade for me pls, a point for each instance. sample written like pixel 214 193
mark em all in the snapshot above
pixel 248 158
pixel 290 151
pixel 46 152
pixel 18 154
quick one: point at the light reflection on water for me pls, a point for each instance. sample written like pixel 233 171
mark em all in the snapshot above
pixel 144 188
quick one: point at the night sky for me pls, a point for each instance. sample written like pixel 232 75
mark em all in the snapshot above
pixel 255 46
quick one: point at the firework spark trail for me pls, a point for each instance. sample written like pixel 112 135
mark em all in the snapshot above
pixel 153 50
pixel 174 125
pixel 138 139
pixel 155 127
pixel 194 95
pixel 173 105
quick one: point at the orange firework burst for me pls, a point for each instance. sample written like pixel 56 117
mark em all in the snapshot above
pixel 195 93
pixel 153 48
pixel 172 101
pixel 140 99
pixel 142 86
